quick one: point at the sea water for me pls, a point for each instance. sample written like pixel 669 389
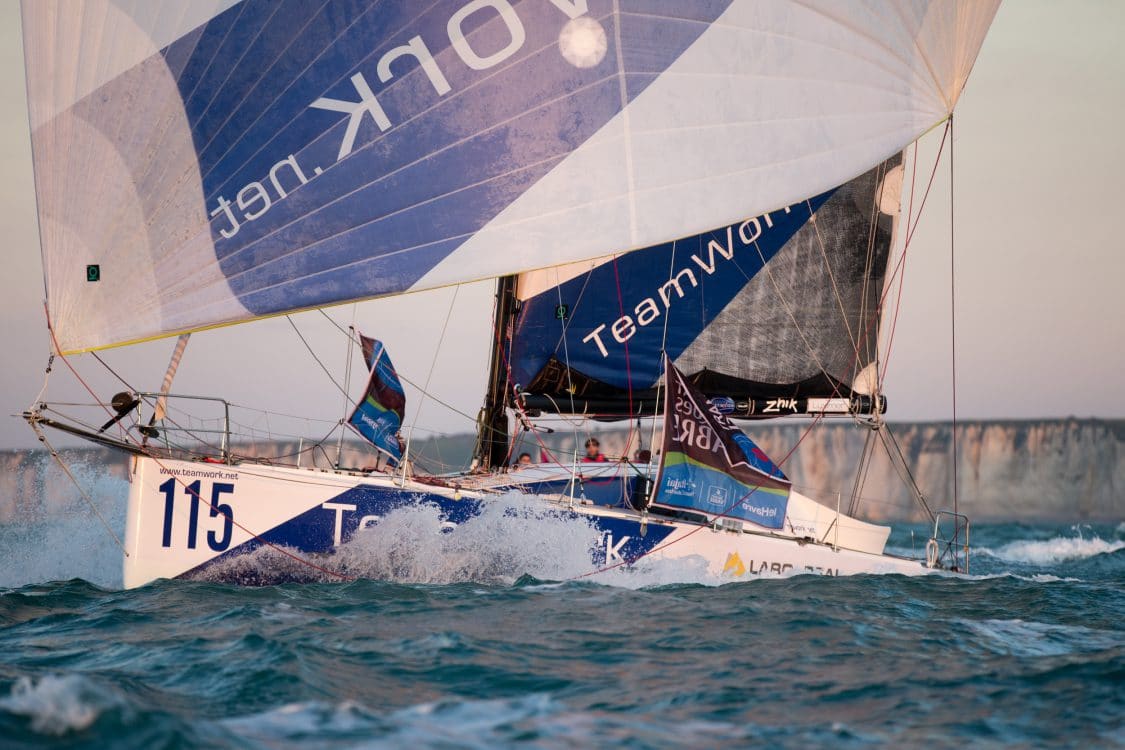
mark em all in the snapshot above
pixel 480 637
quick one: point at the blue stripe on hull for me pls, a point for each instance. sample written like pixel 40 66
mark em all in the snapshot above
pixel 312 532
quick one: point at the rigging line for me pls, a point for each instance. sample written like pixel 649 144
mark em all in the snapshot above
pixel 296 330
pixel 311 447
pixel 544 450
pixel 902 466
pixel 657 406
pixel 518 406
pixel 881 372
pixel 55 342
pixel 46 380
pixel 66 470
pixel 49 409
pixel 861 473
pixel 576 423
pixel 270 412
pixel 186 430
pixel 628 366
pixel 832 278
pixel 347 389
pixel 157 461
pixel 566 347
pixel 937 161
pixel 796 325
pixel 788 309
pixel 429 375
pixel 193 451
pixel 124 382
pixel 910 236
pixel 561 416
pixel 953 322
pixel 868 266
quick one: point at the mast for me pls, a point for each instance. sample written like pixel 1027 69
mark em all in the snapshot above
pixel 492 424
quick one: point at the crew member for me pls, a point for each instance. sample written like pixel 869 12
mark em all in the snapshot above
pixel 593 452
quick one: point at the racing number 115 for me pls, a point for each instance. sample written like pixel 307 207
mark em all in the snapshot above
pixel 193 491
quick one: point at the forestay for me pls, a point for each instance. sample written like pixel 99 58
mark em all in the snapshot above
pixel 200 163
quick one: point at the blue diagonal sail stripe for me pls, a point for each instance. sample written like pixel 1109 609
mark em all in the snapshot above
pixel 377 220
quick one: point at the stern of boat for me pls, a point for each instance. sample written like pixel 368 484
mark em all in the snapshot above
pixel 948 546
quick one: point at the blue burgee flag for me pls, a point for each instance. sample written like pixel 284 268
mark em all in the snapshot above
pixel 378 417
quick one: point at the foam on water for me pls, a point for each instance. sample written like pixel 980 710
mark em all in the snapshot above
pixel 57 705
pixel 1055 550
pixel 1049 578
pixel 513 537
pixel 510 538
pixel 56 535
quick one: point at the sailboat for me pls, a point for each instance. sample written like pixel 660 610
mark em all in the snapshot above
pixel 688 209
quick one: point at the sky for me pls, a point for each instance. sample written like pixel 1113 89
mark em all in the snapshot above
pixel 1039 160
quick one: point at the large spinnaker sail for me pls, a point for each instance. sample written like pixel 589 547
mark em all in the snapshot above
pixel 782 308
pixel 205 163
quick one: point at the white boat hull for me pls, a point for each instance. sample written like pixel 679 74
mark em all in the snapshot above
pixel 186 519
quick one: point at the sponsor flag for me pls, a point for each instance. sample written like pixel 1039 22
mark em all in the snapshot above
pixel 378 417
pixel 709 466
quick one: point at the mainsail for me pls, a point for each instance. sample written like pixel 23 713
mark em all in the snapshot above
pixel 206 163
pixel 778 308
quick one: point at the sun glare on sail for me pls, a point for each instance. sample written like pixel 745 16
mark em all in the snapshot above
pixel 582 42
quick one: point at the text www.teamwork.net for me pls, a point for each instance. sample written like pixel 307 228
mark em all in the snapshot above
pixel 200 473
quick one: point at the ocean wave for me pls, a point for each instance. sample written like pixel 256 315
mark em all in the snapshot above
pixel 1028 638
pixel 538 719
pixel 1033 578
pixel 1055 550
